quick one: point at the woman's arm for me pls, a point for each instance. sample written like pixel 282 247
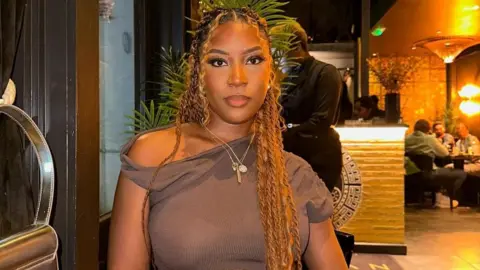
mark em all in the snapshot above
pixel 127 246
pixel 129 243
pixel 323 251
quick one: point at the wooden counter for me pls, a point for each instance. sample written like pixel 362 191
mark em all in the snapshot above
pixel 370 203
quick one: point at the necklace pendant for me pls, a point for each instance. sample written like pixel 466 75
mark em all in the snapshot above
pixel 239 177
pixel 242 168
pixel 235 166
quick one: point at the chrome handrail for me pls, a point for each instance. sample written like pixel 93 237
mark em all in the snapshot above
pixel 45 161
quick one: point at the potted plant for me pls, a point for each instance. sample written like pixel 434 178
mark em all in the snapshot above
pixel 392 73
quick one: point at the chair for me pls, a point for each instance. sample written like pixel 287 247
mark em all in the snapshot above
pixel 471 191
pixel 424 179
pixel 347 244
pixel 35 246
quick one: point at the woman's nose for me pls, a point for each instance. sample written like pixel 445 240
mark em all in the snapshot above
pixel 237 76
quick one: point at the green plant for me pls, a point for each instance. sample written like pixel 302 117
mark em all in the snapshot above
pixel 174 65
pixel 161 111
pixel 450 117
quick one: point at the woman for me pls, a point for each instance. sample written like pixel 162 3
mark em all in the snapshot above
pixel 216 205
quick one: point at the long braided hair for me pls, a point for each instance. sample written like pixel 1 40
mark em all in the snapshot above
pixel 276 203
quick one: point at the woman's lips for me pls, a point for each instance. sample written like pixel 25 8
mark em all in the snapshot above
pixel 237 101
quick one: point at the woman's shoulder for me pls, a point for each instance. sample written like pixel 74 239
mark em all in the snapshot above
pixel 296 164
pixel 299 171
pixel 150 147
pixel 309 190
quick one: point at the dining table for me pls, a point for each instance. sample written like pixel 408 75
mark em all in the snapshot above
pixel 460 159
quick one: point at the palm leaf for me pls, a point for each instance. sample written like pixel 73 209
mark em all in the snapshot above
pixel 148 119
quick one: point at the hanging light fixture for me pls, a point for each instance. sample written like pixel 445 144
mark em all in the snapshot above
pixel 447 47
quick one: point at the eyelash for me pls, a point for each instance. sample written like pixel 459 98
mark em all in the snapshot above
pixel 260 59
pixel 256 59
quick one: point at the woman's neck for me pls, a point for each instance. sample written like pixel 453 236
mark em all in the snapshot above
pixel 229 132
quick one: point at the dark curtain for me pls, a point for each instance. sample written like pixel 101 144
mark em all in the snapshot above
pixel 16 201
pixel 11 21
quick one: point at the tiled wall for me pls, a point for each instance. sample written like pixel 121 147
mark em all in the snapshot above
pixel 380 217
pixel 424 96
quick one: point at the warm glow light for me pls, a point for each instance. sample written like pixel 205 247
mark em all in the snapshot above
pixel 472 8
pixel 470 108
pixel 466 17
pixel 371 133
pixel 448 59
pixel 469 91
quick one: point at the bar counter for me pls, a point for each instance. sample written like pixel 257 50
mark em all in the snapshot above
pixel 370 202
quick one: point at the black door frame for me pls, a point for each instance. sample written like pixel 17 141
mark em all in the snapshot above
pixel 57 78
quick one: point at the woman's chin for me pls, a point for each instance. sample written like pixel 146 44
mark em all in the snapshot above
pixel 238 119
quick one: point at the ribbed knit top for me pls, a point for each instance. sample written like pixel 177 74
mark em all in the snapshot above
pixel 201 218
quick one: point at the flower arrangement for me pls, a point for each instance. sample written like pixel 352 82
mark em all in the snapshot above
pixel 392 72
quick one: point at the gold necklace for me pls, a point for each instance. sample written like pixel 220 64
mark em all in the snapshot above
pixel 237 166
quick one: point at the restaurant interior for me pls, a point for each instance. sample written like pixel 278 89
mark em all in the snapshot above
pixel 434 44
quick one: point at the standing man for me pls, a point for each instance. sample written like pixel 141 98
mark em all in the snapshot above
pixel 310 108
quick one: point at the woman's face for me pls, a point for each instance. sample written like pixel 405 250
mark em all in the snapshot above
pixel 237 68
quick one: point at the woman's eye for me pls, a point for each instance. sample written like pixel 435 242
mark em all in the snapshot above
pixel 217 62
pixel 255 60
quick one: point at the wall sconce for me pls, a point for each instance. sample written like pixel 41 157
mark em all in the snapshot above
pixel 469 106
pixel 447 47
pixel 469 91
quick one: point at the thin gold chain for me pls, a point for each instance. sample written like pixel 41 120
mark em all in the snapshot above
pixel 225 145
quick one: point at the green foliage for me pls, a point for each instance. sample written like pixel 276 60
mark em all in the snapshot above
pixel 151 117
pixel 174 65
pixel 161 111
pixel 450 117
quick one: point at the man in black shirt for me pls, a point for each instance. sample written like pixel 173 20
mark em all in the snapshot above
pixel 310 108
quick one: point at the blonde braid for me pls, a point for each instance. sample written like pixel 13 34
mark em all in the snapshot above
pixel 204 53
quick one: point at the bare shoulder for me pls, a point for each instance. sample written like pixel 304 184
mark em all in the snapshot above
pixel 151 148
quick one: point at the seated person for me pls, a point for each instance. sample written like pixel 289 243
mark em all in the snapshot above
pixel 363 108
pixel 378 112
pixel 444 138
pixel 421 143
pixel 469 144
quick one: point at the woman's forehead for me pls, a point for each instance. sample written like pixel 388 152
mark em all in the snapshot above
pixel 236 36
